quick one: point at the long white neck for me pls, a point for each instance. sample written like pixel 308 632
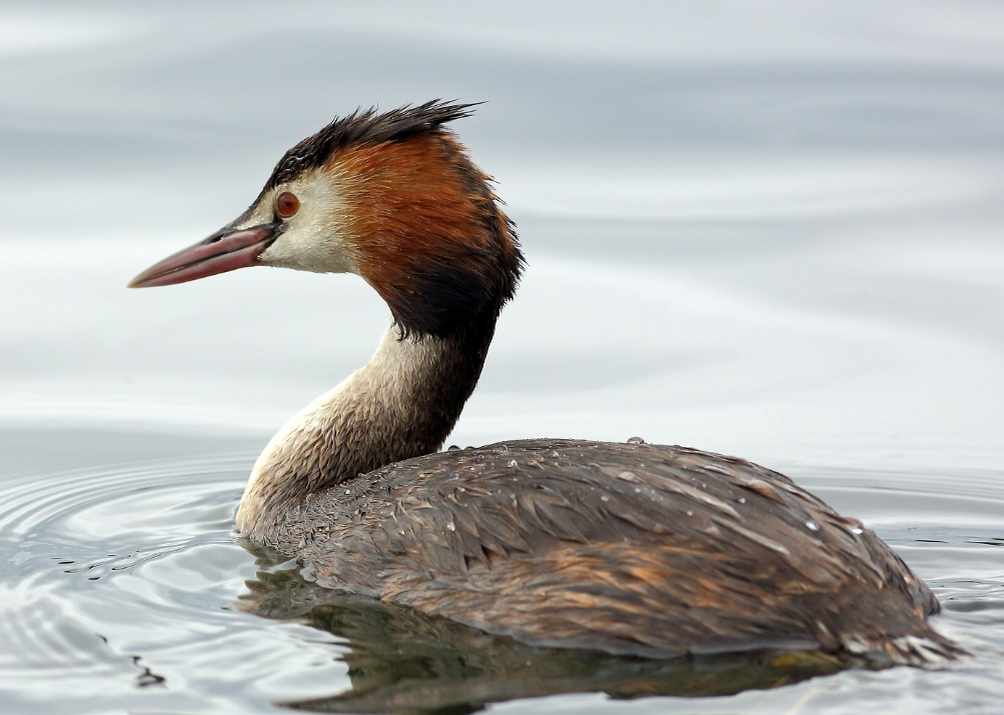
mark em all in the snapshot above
pixel 401 404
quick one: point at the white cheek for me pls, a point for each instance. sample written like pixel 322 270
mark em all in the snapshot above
pixel 315 239
pixel 307 250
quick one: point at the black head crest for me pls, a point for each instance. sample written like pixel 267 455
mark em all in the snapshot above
pixel 365 127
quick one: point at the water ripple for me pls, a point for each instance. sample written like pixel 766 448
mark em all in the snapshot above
pixel 123 586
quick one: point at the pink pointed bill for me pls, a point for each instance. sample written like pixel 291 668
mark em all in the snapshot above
pixel 219 253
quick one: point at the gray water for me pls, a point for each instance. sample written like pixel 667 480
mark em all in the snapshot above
pixel 772 230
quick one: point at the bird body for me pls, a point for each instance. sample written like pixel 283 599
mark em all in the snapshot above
pixel 628 548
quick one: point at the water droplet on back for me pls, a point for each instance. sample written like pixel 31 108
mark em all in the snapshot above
pixel 635 440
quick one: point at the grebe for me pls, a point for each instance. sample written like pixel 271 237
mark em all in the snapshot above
pixel 627 548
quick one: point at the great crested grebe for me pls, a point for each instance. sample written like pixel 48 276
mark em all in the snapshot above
pixel 627 548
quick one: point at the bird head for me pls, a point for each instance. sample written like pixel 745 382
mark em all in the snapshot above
pixel 392 197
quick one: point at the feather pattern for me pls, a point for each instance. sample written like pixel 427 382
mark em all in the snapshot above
pixel 627 548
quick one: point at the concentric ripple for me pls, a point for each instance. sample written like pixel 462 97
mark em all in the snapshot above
pixel 123 588
pixel 118 583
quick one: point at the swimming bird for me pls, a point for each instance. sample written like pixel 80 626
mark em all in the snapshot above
pixel 628 548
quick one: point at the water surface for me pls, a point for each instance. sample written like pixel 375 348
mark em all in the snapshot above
pixel 125 590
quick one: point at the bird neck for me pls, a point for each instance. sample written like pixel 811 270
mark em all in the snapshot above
pixel 403 403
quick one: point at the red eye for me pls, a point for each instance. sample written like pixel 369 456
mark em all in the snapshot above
pixel 286 204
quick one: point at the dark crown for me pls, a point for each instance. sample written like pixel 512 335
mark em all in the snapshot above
pixel 364 127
